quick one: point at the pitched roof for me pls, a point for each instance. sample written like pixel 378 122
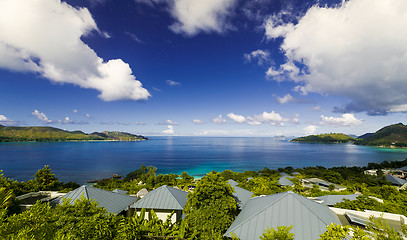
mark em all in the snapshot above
pixel 331 200
pixel 395 180
pixel 403 168
pixel 119 191
pixel 284 181
pixel 163 197
pixel 309 219
pixel 112 202
pixel 241 195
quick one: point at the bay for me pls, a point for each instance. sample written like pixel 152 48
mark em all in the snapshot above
pixel 84 161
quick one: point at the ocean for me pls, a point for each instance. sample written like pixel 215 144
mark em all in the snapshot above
pixel 84 161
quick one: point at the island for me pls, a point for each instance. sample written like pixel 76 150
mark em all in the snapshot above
pixel 392 136
pixel 51 134
pixel 326 138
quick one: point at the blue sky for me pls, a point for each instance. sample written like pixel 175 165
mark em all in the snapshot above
pixel 204 68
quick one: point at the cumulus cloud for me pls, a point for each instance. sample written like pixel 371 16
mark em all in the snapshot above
pixel 347 119
pixel 271 118
pixel 6 121
pixel 168 122
pixel 173 83
pixel 197 121
pixel 170 130
pixel 356 50
pixel 261 56
pixel 219 119
pixel 41 116
pixel 44 37
pixel 286 99
pixel 237 118
pixel 311 129
pixel 194 16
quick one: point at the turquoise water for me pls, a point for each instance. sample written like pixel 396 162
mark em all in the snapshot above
pixel 84 161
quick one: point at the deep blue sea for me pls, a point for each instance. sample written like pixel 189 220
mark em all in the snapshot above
pixel 84 161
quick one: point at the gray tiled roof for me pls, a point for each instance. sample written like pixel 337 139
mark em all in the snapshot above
pixel 309 219
pixel 284 181
pixel 403 168
pixel 241 195
pixel 395 180
pixel 164 197
pixel 331 200
pixel 112 202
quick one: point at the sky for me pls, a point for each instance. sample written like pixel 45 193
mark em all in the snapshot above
pixel 204 68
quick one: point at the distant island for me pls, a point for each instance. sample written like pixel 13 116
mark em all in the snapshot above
pixel 326 138
pixel 51 134
pixel 390 136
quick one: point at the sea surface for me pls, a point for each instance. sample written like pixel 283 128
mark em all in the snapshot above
pixel 84 161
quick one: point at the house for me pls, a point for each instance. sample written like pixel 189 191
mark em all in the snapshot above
pixel 308 218
pixel 113 202
pixel 395 180
pixel 331 200
pixel 163 200
pixel 324 185
pixel 241 195
pixel 284 181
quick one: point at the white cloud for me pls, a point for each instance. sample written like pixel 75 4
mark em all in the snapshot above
pixel 6 121
pixel 316 108
pixel 237 118
pixel 44 37
pixel 88 115
pixel 139 123
pixel 271 118
pixel 194 16
pixel 356 50
pixel 134 37
pixel 168 122
pixel 197 121
pixel 41 116
pixel 170 130
pixel 260 55
pixel 75 111
pixel 347 119
pixel 173 83
pixel 219 120
pixel 286 99
pixel 311 129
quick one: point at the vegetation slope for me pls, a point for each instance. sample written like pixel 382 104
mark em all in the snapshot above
pixel 390 136
pixel 50 134
pixel 326 138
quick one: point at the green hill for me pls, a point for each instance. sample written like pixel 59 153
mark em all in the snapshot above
pixel 325 138
pixel 50 134
pixel 391 136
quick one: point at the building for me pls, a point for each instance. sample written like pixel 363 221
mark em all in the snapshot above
pixel 163 200
pixel 284 181
pixel 324 185
pixel 308 218
pixel 331 200
pixel 113 202
pixel 241 195
pixel 395 180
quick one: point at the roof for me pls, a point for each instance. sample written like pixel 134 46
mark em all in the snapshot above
pixel 395 180
pixel 112 202
pixel 164 197
pixel 284 181
pixel 241 195
pixel 119 191
pixel 403 168
pixel 309 219
pixel 331 200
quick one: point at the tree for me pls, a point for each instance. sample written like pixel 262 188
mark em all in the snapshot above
pixel 335 231
pixel 211 208
pixel 45 179
pixel 282 233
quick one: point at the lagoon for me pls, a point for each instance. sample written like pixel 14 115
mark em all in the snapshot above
pixel 84 161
